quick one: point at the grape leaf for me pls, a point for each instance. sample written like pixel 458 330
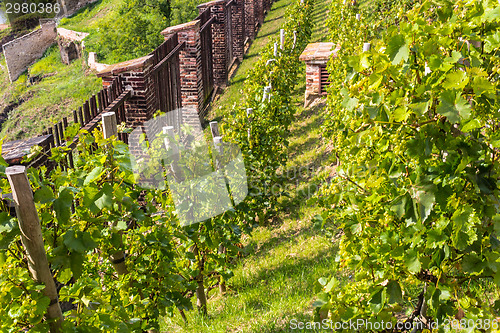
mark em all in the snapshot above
pixel 412 262
pixel 397 49
pixel 456 80
pixel 43 195
pixel 62 206
pixel 453 106
pixel 106 199
pixel 394 292
pixel 93 175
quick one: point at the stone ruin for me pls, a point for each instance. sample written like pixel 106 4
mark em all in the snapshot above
pixel 70 44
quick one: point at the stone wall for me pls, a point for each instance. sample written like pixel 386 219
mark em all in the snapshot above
pixel 70 44
pixel 24 51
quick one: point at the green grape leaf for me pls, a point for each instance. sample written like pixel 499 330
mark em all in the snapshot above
pixel 9 230
pixel 419 108
pixel 453 106
pixel 401 114
pixel 496 278
pixel 425 199
pixel 481 86
pixel 322 299
pixel 93 175
pixel 76 263
pixel 456 80
pixel 412 262
pixel 492 42
pixel 464 232
pixel 106 199
pixel 121 225
pixel 471 125
pixel 78 241
pixel 62 206
pixel 331 284
pixel 64 275
pixel 378 300
pixel 492 14
pixel 397 49
pixel 399 207
pixel 394 292
pixel 43 195
pixel 472 263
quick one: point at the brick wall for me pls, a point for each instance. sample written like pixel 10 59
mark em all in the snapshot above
pixel 24 51
pixel 137 74
pixel 238 28
pixel 250 30
pixel 190 63
pixel 219 40
pixel 259 12
pixel 313 78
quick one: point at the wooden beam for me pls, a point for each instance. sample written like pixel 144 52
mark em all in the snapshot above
pixel 169 56
pixel 32 239
pixel 207 24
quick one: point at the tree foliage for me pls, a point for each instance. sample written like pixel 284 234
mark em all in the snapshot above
pixel 135 30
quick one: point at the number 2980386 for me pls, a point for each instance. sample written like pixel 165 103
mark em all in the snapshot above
pixel 31 8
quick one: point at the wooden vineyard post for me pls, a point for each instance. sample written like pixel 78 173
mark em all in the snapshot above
pixel 282 39
pixel 218 145
pixel 249 117
pixel 171 144
pixel 109 125
pixel 31 237
pixel 214 129
pixel 110 128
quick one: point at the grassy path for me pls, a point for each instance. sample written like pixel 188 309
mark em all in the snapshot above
pixel 274 283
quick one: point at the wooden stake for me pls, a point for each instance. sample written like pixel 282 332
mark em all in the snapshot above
pixel 31 237
pixel 282 39
pixel 109 128
pixel 249 117
pixel 267 93
pixel 171 144
pixel 214 128
pixel 109 125
pixel 218 143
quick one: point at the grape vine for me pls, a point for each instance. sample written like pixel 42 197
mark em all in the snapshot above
pixel 415 124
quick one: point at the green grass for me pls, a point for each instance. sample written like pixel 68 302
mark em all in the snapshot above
pixel 88 18
pixel 275 282
pixel 62 90
pixel 5 32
